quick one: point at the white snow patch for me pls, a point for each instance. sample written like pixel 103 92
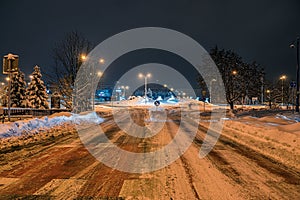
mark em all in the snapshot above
pixel 290 117
pixel 35 125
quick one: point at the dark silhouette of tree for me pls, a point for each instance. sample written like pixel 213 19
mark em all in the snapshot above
pixel 240 79
pixel 67 56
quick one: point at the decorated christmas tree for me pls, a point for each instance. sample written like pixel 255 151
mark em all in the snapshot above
pixel 18 91
pixel 36 91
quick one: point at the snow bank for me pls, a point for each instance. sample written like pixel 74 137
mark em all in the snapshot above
pixel 35 125
pixel 291 117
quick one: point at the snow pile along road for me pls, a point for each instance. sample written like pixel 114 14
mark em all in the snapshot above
pixel 35 125
pixel 291 117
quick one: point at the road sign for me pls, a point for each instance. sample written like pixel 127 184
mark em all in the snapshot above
pixel 10 64
pixel 156 103
pixel 293 84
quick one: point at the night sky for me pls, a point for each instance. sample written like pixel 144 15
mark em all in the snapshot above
pixel 257 30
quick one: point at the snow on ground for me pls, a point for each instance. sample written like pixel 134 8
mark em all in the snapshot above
pixel 276 135
pixel 32 126
pixel 140 101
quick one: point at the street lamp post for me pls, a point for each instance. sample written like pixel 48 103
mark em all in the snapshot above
pixel 145 76
pixel 262 89
pixel 210 88
pixel 10 66
pixel 94 76
pixel 282 78
pixel 297 73
pixel 269 97
pixel 124 90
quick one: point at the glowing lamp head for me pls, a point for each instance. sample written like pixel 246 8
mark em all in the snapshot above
pixel 83 57
pixel 101 61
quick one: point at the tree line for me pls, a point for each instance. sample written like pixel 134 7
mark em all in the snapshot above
pixel 33 95
pixel 246 82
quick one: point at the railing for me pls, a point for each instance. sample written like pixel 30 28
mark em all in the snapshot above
pixel 31 111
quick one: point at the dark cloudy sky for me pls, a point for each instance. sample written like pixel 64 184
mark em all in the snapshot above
pixel 258 30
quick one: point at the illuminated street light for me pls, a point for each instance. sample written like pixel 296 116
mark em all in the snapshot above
pixel 145 76
pixel 210 88
pixel 83 57
pixel 99 73
pixel 282 78
pixel 101 60
pixel 124 90
pixel 7 78
pixel 269 96
pixel 234 72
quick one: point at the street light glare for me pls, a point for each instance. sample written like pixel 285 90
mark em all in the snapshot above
pixel 148 75
pixel 101 60
pixel 283 77
pixel 83 57
pixel 234 72
pixel 99 73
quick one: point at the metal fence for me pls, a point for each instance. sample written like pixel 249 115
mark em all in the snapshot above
pixel 31 111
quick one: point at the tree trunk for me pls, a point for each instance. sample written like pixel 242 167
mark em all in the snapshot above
pixel 231 105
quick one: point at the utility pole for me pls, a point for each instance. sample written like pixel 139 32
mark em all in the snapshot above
pixel 297 73
pixel 297 83
pixel 262 89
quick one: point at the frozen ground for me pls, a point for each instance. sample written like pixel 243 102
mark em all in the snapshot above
pixel 276 136
pixel 257 157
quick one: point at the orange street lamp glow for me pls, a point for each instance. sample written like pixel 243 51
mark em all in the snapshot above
pixel 283 77
pixel 101 60
pixel 83 57
pixel 99 73
pixel 148 75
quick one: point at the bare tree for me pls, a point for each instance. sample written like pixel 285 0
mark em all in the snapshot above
pixel 67 55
